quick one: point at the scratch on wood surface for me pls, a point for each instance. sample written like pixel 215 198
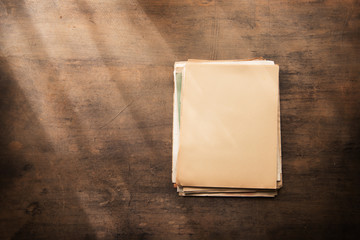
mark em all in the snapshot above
pixel 122 110
pixel 215 36
pixel 347 19
pixel 269 19
pixel 112 194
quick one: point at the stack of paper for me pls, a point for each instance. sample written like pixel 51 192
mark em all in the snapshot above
pixel 226 129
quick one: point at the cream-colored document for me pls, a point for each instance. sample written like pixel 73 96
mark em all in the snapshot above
pixel 226 133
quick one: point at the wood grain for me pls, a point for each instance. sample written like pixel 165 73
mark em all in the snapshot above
pixel 86 117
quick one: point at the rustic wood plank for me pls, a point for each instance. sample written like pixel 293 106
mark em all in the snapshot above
pixel 86 114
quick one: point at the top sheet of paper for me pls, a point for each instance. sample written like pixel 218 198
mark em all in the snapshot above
pixel 228 133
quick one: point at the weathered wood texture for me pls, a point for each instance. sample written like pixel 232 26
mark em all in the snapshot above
pixel 86 117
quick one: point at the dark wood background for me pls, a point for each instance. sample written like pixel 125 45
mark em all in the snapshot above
pixel 86 117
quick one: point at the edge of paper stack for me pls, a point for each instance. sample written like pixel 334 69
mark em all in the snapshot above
pixel 179 76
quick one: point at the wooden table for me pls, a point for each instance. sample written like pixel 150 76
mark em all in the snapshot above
pixel 86 117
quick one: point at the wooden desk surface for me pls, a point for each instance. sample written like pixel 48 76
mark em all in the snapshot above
pixel 86 117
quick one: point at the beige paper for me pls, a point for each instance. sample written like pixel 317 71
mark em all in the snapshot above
pixel 214 190
pixel 179 68
pixel 248 194
pixel 226 192
pixel 228 133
